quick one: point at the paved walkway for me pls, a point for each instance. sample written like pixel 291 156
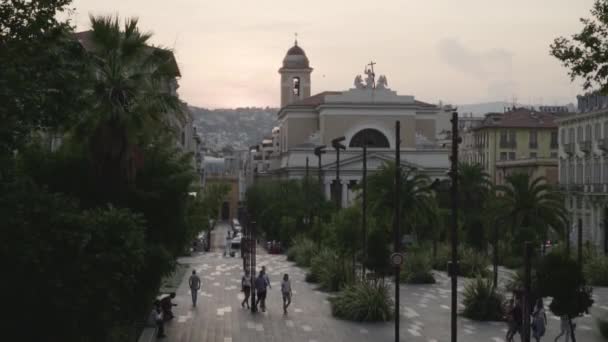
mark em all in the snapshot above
pixel 220 318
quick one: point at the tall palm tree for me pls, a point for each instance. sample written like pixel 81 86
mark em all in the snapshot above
pixel 130 97
pixel 417 200
pixel 474 189
pixel 531 204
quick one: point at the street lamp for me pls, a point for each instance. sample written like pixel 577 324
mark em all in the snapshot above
pixel 397 222
pixel 337 145
pixel 319 150
pixel 453 267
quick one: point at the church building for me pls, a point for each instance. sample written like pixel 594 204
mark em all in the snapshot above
pixel 365 113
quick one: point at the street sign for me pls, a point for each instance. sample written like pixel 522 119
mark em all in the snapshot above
pixel 397 259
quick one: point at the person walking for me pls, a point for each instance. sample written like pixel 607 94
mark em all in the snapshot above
pixel 266 277
pixel 260 288
pixel 227 245
pixel 564 328
pixel 246 288
pixel 516 316
pixel 195 285
pixel 539 320
pixel 286 291
pixel 159 320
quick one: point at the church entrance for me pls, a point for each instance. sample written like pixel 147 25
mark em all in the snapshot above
pixel 225 211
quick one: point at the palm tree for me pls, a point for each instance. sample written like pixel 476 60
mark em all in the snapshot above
pixel 130 96
pixel 531 204
pixel 417 200
pixel 474 188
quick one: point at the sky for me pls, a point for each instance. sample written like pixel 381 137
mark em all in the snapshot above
pixel 457 52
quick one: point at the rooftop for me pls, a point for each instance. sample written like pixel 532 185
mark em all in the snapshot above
pixel 519 118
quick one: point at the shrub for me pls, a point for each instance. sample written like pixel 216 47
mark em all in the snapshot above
pixel 363 302
pixel 417 269
pixel 596 271
pixel 440 261
pixel 482 302
pixel 301 251
pixel 330 270
pixel 472 263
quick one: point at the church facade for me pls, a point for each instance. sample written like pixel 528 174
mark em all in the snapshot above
pixel 364 114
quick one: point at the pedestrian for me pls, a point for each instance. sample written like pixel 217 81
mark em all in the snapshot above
pixel 227 245
pixel 511 326
pixel 246 288
pixel 158 317
pixel 266 277
pixel 539 320
pixel 564 328
pixel 195 285
pixel 515 320
pixel 167 306
pixel 260 288
pixel 286 291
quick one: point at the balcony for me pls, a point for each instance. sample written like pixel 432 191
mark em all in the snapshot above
pixel 585 146
pixel 569 148
pixel 602 144
pixel 595 188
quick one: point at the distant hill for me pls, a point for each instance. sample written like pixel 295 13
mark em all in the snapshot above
pixel 237 128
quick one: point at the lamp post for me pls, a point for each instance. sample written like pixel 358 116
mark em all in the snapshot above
pixel 397 221
pixel 337 145
pixel 453 269
pixel 364 204
pixel 319 151
pixel 253 246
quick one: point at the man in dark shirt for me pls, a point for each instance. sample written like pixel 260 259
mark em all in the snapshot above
pixel 260 288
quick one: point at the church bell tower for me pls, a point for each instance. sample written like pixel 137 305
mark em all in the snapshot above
pixel 295 76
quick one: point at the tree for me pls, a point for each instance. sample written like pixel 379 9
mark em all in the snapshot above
pixel 474 188
pixel 531 208
pixel 417 200
pixel 561 278
pixel 42 76
pixel 130 99
pixel 585 53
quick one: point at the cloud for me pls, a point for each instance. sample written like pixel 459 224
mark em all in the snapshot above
pixel 493 64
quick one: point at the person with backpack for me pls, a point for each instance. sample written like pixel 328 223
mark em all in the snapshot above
pixel 246 289
pixel 195 285
pixel 539 320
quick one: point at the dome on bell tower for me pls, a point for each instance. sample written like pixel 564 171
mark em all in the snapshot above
pixel 296 58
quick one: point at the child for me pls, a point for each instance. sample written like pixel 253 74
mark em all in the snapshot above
pixel 286 290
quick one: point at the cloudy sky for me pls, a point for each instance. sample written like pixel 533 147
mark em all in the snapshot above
pixel 458 52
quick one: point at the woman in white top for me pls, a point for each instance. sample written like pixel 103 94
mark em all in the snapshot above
pixel 286 291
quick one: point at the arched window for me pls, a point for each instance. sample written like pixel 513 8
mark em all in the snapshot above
pixel 296 86
pixel 370 137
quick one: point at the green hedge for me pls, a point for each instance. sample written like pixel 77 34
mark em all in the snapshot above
pixel 301 251
pixel 417 269
pixel 596 271
pixel 363 302
pixel 329 270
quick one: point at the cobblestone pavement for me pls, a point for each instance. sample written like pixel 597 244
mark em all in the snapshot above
pixel 425 311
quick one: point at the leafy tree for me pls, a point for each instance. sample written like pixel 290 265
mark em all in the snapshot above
pixel 585 53
pixel 42 76
pixel 531 208
pixel 561 278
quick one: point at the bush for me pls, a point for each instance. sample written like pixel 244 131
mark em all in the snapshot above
pixel 301 251
pixel 329 270
pixel 472 263
pixel 482 302
pixel 596 271
pixel 440 261
pixel 417 269
pixel 363 302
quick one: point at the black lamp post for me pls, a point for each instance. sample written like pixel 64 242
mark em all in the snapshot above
pixel 252 272
pixel 364 204
pixel 319 151
pixel 397 221
pixel 337 145
pixel 453 269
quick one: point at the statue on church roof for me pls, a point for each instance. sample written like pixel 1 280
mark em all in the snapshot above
pixel 370 81
pixel 359 82
pixel 382 83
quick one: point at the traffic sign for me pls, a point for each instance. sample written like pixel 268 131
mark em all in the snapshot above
pixel 397 259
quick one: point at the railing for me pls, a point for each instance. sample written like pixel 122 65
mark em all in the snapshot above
pixel 602 144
